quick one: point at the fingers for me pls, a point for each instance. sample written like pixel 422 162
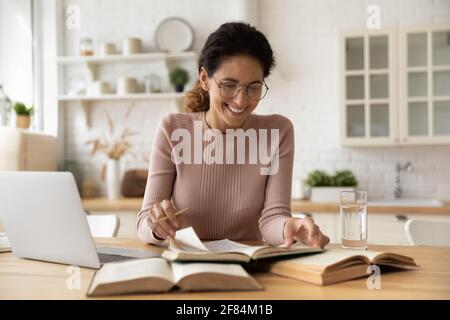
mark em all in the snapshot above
pixel 166 224
pixel 157 229
pixel 309 233
pixel 289 233
pixel 169 210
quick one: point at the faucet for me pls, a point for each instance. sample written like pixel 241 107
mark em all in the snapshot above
pixel 406 167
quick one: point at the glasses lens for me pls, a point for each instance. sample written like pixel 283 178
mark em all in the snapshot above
pixel 229 90
pixel 256 91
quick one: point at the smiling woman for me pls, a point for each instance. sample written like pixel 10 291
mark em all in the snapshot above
pixel 227 200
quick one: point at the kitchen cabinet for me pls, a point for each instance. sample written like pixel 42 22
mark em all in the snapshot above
pixel 386 225
pixel 425 85
pixel 383 228
pixel 368 90
pixel 395 86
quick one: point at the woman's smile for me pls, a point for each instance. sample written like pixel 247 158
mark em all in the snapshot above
pixel 236 112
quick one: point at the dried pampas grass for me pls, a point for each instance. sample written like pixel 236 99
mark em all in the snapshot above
pixel 116 145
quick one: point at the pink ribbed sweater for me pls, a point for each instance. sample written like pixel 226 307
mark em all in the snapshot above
pixel 233 201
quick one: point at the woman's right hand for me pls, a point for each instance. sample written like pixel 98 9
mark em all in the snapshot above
pixel 165 229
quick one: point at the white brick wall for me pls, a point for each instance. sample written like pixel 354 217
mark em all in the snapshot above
pixel 112 21
pixel 305 86
pixel 304 37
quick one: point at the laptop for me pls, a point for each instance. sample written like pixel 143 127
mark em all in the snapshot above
pixel 44 219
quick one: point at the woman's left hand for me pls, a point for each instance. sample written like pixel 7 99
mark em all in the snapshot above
pixel 304 231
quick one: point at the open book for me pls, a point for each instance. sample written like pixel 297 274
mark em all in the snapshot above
pixel 336 265
pixel 186 246
pixel 158 275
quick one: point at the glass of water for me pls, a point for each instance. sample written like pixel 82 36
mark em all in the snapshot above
pixel 353 211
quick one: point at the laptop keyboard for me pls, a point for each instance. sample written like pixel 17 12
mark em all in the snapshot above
pixel 106 258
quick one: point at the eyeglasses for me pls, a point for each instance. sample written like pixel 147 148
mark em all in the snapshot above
pixel 255 91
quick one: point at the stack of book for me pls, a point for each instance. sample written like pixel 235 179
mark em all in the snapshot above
pixel 189 264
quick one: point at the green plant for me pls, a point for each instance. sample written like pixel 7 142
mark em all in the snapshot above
pixel 179 76
pixel 345 178
pixel 318 178
pixel 21 109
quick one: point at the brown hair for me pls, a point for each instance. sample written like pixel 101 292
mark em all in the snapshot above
pixel 230 39
pixel 196 99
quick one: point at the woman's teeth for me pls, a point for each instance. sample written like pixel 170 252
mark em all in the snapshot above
pixel 234 109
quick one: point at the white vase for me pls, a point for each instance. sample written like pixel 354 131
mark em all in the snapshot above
pixel 113 179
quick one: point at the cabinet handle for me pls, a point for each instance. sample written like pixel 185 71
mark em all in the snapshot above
pixel 401 217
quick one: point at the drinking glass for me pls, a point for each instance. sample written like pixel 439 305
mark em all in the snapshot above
pixel 353 212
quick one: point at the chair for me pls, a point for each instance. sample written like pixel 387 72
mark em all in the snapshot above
pixel 104 225
pixel 432 233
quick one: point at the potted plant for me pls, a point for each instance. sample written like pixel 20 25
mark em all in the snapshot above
pixel 178 78
pixel 23 115
pixel 326 188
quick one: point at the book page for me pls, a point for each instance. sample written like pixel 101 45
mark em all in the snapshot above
pixel 187 240
pixel 134 269
pixel 232 246
pixel 181 270
pixel 371 254
pixel 223 245
pixel 327 258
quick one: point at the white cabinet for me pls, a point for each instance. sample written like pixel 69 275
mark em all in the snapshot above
pixel 395 87
pixel 328 223
pixel 368 88
pixel 383 228
pixel 425 80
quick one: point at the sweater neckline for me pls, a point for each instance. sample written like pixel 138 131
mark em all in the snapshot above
pixel 245 126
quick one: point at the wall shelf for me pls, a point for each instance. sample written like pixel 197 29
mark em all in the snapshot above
pixel 134 96
pixel 125 58
pixel 92 64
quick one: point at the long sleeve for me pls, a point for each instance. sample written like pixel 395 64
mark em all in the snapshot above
pixel 235 201
pixel 277 203
pixel 162 172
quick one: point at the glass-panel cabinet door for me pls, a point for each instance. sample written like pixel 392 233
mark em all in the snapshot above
pixel 367 96
pixel 379 102
pixel 354 53
pixel 355 87
pixel 426 97
pixel 441 82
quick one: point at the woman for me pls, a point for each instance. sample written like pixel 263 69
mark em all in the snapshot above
pixel 226 199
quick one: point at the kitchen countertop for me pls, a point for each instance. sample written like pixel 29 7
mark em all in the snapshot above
pixel 134 205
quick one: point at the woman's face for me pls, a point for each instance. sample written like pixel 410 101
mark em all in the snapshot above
pixel 229 113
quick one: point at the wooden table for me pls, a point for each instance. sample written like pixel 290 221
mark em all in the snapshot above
pixel 27 279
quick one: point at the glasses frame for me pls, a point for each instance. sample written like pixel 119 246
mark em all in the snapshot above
pixel 239 90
